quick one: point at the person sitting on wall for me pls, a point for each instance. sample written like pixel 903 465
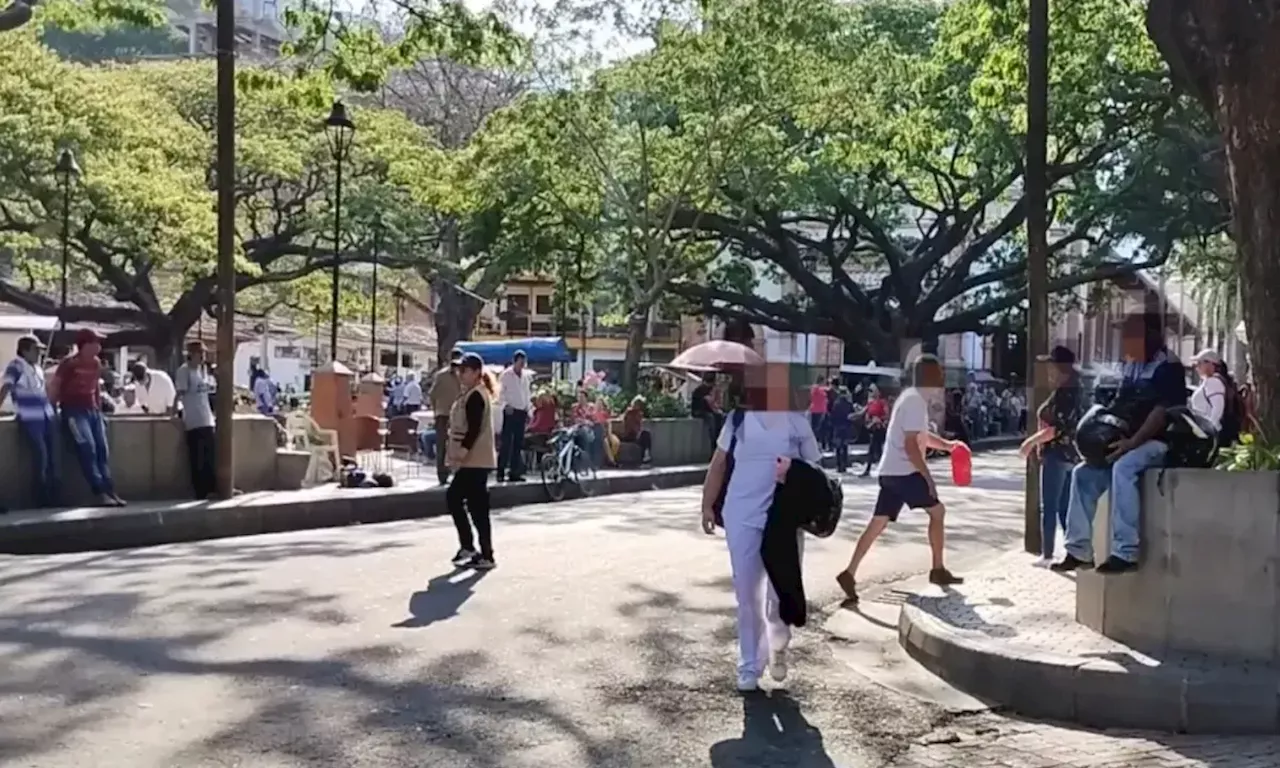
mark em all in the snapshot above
pixel 1152 382
pixel 633 430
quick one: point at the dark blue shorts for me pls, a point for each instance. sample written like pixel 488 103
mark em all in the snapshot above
pixel 898 491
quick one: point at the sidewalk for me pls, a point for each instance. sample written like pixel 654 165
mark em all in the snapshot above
pixel 81 529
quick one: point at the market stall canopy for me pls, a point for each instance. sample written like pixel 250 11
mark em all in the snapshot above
pixel 540 350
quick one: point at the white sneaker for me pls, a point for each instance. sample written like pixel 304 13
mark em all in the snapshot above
pixel 1043 562
pixel 464 557
pixel 748 683
pixel 778 665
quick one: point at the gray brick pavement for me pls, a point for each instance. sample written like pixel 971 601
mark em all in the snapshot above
pixel 997 742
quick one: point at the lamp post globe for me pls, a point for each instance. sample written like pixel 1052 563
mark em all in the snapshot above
pixel 67 170
pixel 340 133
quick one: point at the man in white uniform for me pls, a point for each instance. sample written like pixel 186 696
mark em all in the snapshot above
pixel 904 474
pixel 516 397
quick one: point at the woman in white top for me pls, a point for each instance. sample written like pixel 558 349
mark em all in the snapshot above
pixel 772 426
pixel 1210 398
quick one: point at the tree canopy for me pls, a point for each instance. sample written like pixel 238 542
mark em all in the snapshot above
pixel 143 234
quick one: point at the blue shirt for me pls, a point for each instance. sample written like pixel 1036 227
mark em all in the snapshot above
pixel 30 398
pixel 1159 381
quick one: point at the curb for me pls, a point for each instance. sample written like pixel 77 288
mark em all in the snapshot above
pixel 198 522
pixel 189 521
pixel 1101 693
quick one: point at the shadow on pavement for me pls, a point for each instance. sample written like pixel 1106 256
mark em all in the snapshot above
pixel 442 598
pixel 774 733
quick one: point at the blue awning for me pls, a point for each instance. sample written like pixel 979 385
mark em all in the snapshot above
pixel 540 351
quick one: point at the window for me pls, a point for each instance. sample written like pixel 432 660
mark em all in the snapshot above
pixel 288 353
pixel 542 304
pixel 518 313
pixel 386 358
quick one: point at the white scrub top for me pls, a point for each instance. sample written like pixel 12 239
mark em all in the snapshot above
pixel 763 438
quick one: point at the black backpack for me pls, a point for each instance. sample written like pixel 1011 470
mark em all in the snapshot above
pixel 1232 413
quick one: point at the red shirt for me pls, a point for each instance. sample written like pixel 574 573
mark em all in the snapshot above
pixel 544 419
pixel 78 381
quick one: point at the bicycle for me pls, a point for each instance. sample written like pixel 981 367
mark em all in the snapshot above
pixel 564 464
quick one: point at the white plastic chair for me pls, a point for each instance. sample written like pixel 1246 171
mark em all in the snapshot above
pixel 322 444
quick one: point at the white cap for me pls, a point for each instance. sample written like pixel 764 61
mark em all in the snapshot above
pixel 1207 356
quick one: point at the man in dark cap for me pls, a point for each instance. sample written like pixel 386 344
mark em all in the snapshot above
pixel 1055 442
pixel 445 389
pixel 1152 382
pixel 24 382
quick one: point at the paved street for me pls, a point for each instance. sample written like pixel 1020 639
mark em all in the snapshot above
pixel 603 639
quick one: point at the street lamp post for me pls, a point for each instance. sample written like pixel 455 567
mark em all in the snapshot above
pixel 67 171
pixel 340 132
pixel 1036 190
pixel 399 301
pixel 373 310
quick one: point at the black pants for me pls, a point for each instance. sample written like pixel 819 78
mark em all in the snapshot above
pixel 200 460
pixel 875 448
pixel 469 493
pixel 511 445
pixel 644 439
pixel 442 442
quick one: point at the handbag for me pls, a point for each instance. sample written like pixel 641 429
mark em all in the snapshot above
pixel 718 507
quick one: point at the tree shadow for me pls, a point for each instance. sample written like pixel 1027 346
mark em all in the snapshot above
pixel 775 734
pixel 442 598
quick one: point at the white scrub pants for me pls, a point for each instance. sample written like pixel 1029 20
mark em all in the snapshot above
pixel 760 630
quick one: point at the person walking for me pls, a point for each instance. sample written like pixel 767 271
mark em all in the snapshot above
pixel 904 476
pixel 77 391
pixel 875 418
pixel 193 384
pixel 472 456
pixel 1055 442
pixel 516 399
pixel 445 389
pixel 841 420
pixel 24 381
pixel 756 437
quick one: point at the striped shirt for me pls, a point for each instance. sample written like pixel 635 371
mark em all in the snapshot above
pixel 26 384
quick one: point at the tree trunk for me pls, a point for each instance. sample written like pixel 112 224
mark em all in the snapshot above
pixel 455 317
pixel 637 335
pixel 1254 161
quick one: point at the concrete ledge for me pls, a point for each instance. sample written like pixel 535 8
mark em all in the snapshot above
pixel 1035 671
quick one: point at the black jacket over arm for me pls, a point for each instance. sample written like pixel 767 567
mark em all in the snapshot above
pixel 806 500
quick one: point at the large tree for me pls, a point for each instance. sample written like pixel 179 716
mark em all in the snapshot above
pixel 1224 54
pixel 142 218
pixel 900 218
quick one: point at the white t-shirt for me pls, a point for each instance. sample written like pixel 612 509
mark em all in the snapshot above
pixel 194 385
pixel 910 414
pixel 514 390
pixel 412 393
pixel 763 438
pixel 1210 400
pixel 156 393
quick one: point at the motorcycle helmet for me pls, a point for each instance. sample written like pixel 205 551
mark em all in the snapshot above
pixel 1192 439
pixel 1098 430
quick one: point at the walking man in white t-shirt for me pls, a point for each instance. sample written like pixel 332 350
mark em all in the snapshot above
pixel 905 480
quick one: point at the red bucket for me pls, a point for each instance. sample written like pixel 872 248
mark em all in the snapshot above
pixel 962 465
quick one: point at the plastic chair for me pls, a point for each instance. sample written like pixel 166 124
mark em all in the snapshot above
pixel 322 444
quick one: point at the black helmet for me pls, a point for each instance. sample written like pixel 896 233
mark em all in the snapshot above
pixel 1192 439
pixel 1098 431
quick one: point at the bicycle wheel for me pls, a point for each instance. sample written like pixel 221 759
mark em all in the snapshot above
pixel 552 479
pixel 583 473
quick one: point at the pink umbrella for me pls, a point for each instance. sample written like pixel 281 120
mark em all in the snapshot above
pixel 716 354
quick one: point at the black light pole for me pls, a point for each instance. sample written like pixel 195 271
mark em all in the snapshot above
pixel 339 130
pixel 399 301
pixel 373 311
pixel 1036 189
pixel 67 171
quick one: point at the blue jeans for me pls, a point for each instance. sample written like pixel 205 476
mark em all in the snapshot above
pixel 427 443
pixel 841 442
pixel 1055 497
pixel 1087 486
pixel 89 434
pixel 42 438
pixel 511 445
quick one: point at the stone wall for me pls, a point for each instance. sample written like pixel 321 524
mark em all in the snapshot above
pixel 1209 575
pixel 676 442
pixel 148 461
